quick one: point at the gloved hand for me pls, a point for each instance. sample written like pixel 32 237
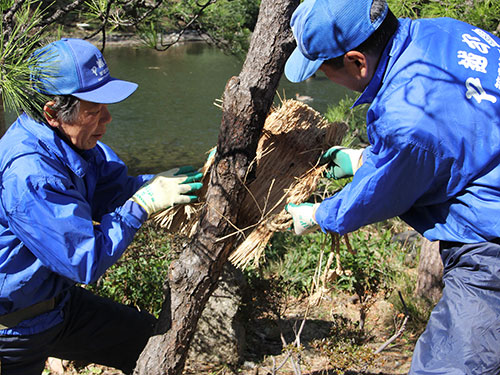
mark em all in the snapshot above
pixel 343 162
pixel 168 188
pixel 303 217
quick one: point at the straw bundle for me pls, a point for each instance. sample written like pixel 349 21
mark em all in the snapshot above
pixel 287 171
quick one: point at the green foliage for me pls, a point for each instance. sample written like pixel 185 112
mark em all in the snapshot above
pixel 97 11
pixel 417 308
pixel 18 40
pixel 405 8
pixel 115 15
pixel 148 33
pixel 484 13
pixel 368 269
pixel 228 23
pixel 138 277
pixel 355 118
pixel 293 259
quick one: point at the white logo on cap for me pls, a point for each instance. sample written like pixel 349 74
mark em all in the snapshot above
pixel 100 69
pixel 101 63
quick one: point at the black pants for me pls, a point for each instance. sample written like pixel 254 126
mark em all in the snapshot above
pixel 94 329
pixel 463 333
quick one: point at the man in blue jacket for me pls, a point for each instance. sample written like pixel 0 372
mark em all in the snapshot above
pixel 68 211
pixel 434 157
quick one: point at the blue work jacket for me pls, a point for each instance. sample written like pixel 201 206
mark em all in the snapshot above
pixel 65 217
pixel 434 132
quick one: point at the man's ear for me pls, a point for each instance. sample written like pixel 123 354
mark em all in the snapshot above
pixel 357 64
pixel 50 115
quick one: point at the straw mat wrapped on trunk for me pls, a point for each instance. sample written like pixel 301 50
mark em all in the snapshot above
pixel 287 171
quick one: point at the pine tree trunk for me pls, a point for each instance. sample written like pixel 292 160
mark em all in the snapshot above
pixel 430 271
pixel 247 100
pixel 3 125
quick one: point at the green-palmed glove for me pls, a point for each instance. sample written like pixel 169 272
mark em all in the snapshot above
pixel 342 162
pixel 168 188
pixel 303 217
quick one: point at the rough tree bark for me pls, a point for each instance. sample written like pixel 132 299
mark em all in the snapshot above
pixel 430 271
pixel 247 100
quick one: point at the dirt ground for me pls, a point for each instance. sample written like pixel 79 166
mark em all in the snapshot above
pixel 264 353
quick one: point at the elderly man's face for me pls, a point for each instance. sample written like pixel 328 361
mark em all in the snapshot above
pixel 89 126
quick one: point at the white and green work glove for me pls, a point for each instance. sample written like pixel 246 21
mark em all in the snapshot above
pixel 303 217
pixel 168 188
pixel 343 162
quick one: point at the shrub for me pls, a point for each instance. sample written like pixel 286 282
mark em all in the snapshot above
pixel 355 118
pixel 484 14
pixel 138 277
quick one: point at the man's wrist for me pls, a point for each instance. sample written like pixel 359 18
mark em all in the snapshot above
pixel 133 213
pixel 141 203
pixel 315 207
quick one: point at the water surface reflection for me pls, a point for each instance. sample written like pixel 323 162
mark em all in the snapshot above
pixel 171 119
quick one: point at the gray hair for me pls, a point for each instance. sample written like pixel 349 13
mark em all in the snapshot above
pixel 66 108
pixel 377 9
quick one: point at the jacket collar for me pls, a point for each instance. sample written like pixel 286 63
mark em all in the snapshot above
pixel 77 161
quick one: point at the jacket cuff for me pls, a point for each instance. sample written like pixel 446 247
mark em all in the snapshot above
pixel 133 214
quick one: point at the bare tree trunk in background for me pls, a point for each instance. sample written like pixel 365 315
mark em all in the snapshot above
pixel 3 125
pixel 430 271
pixel 247 100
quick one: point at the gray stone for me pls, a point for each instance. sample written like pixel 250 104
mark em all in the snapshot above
pixel 220 335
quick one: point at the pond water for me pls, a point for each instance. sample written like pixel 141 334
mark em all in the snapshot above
pixel 171 119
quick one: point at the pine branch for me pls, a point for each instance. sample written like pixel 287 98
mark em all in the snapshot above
pixel 61 12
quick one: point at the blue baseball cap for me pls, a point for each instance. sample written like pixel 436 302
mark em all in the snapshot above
pixel 325 29
pixel 76 67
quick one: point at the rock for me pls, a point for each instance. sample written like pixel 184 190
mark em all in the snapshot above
pixel 56 366
pixel 220 335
